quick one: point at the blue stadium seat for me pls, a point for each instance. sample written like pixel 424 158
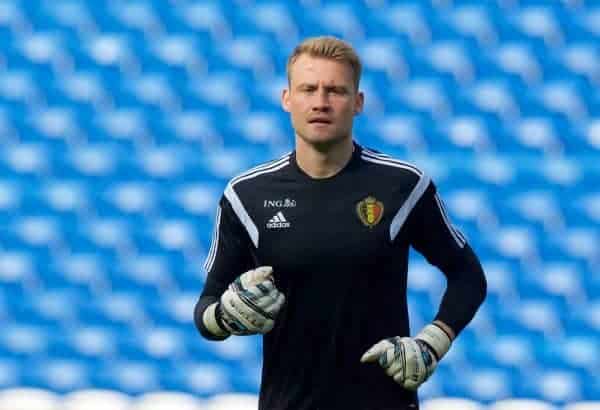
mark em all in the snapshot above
pixel 516 60
pixel 208 18
pixel 591 133
pixel 130 377
pixel 202 378
pixel 383 55
pixel 488 385
pixel 153 90
pixel 84 87
pixel 398 130
pixel 222 88
pixel 176 52
pixel 408 20
pixel 588 19
pixel 581 59
pixel 424 95
pixel 9 374
pixel 539 23
pixel 93 344
pixel 138 16
pixel 467 133
pixel 451 59
pixel 474 21
pixel 274 19
pixel 57 375
pixel 496 97
pixel 146 275
pixel 72 15
pixel 335 18
pixel 194 126
pixel 22 341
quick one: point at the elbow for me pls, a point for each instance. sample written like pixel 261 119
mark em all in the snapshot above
pixel 482 287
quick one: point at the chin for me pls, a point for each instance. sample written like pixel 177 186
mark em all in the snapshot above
pixel 323 140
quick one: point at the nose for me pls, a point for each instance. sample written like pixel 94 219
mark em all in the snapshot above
pixel 321 101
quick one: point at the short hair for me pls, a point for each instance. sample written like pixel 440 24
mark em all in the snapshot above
pixel 327 47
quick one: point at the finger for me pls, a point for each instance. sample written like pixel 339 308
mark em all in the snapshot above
pixel 267 326
pixel 267 300
pixel 266 287
pixel 258 291
pixel 277 305
pixel 255 276
pixel 374 352
pixel 391 353
pixel 396 366
pixel 412 353
pixel 409 384
pixel 402 380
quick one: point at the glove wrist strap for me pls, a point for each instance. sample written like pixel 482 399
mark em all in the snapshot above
pixel 213 321
pixel 436 338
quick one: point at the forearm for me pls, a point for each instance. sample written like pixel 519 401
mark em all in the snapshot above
pixel 466 289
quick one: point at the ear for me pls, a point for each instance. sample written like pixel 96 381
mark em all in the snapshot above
pixel 359 103
pixel 285 99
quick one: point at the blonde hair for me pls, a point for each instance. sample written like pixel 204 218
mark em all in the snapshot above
pixel 327 47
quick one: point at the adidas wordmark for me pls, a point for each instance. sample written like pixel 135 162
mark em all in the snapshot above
pixel 278 222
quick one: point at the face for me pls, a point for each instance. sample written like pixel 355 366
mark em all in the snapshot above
pixel 321 100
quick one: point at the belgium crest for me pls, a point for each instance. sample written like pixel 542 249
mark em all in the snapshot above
pixel 369 211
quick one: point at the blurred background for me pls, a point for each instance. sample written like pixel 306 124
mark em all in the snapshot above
pixel 122 121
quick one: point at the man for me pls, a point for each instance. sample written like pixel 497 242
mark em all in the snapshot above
pixel 311 250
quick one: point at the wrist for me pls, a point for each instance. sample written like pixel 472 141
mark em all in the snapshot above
pixel 436 339
pixel 213 321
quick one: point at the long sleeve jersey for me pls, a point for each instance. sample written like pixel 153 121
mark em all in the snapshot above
pixel 339 248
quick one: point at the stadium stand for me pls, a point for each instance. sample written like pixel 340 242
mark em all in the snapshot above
pixel 117 138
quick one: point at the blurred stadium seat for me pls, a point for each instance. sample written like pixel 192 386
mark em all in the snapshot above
pixel 28 399
pixel 96 399
pixel 514 404
pixel 120 125
pixel 233 402
pixel 166 401
pixel 586 405
pixel 451 404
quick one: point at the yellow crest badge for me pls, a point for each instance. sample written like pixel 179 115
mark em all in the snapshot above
pixel 369 211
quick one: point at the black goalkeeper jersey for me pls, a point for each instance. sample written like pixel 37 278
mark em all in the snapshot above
pixel 339 249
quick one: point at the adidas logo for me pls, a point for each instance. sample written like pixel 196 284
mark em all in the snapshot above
pixel 278 222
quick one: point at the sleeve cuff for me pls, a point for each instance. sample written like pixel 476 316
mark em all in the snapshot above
pixel 209 318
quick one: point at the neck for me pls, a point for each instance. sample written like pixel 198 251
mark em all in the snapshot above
pixel 323 161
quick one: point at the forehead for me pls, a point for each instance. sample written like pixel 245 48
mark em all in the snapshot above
pixel 309 69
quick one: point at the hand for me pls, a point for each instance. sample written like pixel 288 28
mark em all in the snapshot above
pixel 410 361
pixel 250 304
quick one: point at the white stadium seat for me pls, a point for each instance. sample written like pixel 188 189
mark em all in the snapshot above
pixel 28 399
pixel 521 404
pixel 451 403
pixel 233 401
pixel 166 400
pixel 583 405
pixel 96 399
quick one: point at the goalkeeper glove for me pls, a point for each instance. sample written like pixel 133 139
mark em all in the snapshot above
pixel 248 306
pixel 410 361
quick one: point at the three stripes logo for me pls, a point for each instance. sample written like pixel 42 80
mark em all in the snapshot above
pixel 278 222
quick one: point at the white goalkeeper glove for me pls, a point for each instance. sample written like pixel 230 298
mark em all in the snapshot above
pixel 248 306
pixel 410 361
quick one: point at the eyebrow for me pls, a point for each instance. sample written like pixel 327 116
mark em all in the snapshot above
pixel 327 87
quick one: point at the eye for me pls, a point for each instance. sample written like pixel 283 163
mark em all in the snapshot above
pixel 307 88
pixel 338 90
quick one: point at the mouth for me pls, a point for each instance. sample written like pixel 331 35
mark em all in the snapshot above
pixel 321 121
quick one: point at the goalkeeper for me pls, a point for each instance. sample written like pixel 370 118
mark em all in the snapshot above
pixel 311 251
